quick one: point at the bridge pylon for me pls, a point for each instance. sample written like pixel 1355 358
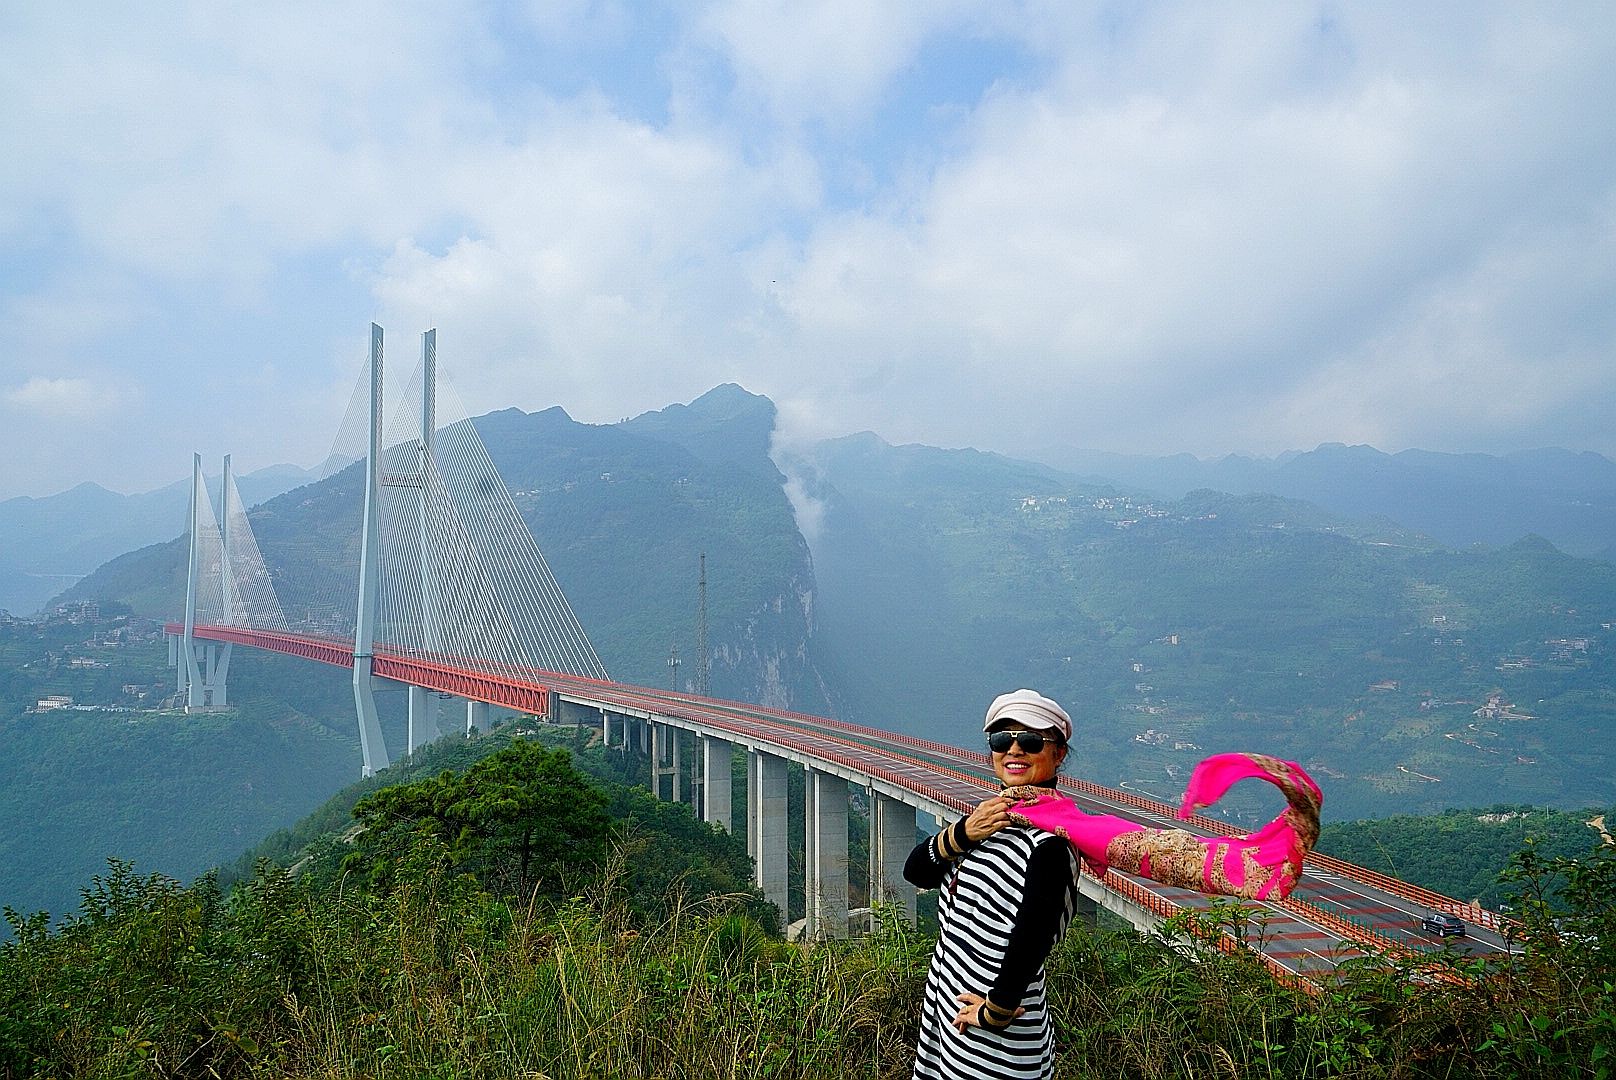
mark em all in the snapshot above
pixel 202 668
pixel 423 708
pixel 372 747
pixel 450 590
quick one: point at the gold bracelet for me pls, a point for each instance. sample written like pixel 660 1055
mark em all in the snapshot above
pixel 990 1015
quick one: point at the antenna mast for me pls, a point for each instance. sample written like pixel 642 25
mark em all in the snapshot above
pixel 703 664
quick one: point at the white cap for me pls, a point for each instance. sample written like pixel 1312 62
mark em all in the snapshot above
pixel 1030 708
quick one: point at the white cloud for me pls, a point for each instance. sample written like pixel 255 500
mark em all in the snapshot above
pixel 1166 228
pixel 600 270
pixel 66 398
pixel 1512 351
pixel 202 141
pixel 826 60
pixel 1129 264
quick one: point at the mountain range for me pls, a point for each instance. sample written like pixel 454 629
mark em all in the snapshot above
pixel 928 580
pixel 904 586
pixel 1568 498
pixel 47 544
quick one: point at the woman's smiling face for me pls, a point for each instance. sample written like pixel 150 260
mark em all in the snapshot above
pixel 1016 766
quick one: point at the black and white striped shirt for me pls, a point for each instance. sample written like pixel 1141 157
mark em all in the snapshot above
pixel 1002 907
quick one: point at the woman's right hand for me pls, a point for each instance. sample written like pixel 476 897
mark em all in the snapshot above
pixel 989 817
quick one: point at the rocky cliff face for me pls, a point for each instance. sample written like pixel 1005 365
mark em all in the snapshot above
pixel 774 658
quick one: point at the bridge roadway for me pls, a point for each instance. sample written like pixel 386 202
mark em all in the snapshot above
pixel 1337 910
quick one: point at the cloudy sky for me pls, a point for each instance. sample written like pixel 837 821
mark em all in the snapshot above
pixel 1017 225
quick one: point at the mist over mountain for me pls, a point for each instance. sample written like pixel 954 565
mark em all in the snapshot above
pixel 1460 499
pixel 1209 620
pixel 47 544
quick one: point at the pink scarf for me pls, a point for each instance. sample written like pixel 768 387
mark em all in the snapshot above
pixel 1264 864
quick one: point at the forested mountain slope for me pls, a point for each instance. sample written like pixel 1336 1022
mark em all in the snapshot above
pixel 1461 499
pixel 1408 676
pixel 622 514
pixel 119 774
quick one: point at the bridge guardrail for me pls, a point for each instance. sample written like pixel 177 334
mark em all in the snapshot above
pixel 1480 916
pixel 1222 940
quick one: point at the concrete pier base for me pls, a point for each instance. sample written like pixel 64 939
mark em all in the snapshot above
pixel 892 837
pixel 1087 911
pixel 423 718
pixel 826 851
pixel 661 737
pixel 676 741
pixel 766 824
pixel 716 781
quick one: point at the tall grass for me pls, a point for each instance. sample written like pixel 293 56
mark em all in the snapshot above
pixel 439 978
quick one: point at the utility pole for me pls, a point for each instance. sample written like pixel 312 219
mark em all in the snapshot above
pixel 673 668
pixel 703 664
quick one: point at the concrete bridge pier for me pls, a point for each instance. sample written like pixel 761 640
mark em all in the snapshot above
pixel 423 718
pixel 716 781
pixel 892 837
pixel 826 855
pixel 216 670
pixel 766 826
pixel 661 736
pixel 1087 911
pixel 202 678
pixel 477 721
pixel 1098 896
pixel 675 742
pixel 563 711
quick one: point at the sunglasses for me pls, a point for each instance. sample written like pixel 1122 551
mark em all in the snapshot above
pixel 1031 742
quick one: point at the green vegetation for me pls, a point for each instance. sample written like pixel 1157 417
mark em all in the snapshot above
pixel 1461 853
pixel 1404 676
pixel 128 776
pixel 422 946
pixel 500 907
pixel 623 514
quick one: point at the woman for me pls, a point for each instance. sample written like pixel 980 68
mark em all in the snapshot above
pixel 1008 875
pixel 1007 894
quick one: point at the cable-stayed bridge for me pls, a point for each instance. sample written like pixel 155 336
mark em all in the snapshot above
pixel 441 590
